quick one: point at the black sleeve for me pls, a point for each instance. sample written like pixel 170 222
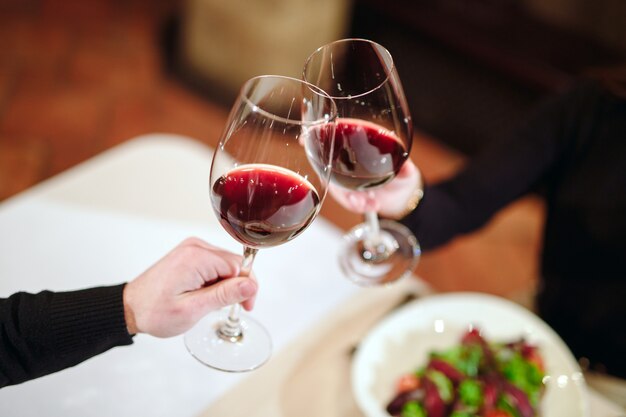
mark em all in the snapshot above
pixel 504 172
pixel 46 332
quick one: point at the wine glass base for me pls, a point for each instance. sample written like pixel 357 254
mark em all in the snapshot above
pixel 363 269
pixel 251 351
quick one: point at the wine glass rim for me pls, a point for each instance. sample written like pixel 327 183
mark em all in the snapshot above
pixel 363 40
pixel 330 118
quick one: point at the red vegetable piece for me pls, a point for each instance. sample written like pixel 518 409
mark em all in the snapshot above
pixel 433 404
pixel 472 336
pixel 396 405
pixel 491 391
pixel 526 349
pixel 448 370
pixel 532 355
pixel 520 399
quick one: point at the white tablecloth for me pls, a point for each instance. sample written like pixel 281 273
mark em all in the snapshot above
pixel 104 222
pixel 108 219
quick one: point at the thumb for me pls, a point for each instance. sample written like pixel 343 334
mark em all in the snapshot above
pixel 224 293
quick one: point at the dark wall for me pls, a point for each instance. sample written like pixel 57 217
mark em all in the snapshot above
pixel 474 69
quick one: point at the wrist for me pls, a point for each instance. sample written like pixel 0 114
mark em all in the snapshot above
pixel 129 314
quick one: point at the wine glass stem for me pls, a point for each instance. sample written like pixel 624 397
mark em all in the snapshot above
pixel 378 245
pixel 373 227
pixel 230 329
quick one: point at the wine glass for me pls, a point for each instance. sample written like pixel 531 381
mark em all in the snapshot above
pixel 269 176
pixel 373 139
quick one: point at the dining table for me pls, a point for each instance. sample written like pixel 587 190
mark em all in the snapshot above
pixel 108 219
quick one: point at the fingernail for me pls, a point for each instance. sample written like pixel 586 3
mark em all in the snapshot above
pixel 247 288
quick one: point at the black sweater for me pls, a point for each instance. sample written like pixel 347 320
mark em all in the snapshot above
pixel 574 151
pixel 46 332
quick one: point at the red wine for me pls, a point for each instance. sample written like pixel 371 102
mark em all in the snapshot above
pixel 264 205
pixel 365 154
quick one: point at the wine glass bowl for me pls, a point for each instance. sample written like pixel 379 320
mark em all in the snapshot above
pixel 374 130
pixel 373 139
pixel 269 176
pixel 273 146
pixel 279 207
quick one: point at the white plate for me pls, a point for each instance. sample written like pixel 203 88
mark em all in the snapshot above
pixel 401 343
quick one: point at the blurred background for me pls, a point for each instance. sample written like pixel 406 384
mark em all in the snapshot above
pixel 80 76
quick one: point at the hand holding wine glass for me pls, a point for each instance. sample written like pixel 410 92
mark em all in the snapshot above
pixel 392 200
pixel 373 140
pixel 192 279
pixel 269 176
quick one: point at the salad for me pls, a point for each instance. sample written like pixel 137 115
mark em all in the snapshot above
pixel 474 378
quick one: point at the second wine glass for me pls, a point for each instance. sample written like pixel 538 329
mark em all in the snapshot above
pixel 373 139
pixel 269 176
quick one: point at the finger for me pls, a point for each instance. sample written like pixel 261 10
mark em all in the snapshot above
pixel 338 193
pixel 248 304
pixel 215 265
pixel 372 203
pixel 407 169
pixel 351 200
pixel 222 294
pixel 211 263
pixel 358 201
